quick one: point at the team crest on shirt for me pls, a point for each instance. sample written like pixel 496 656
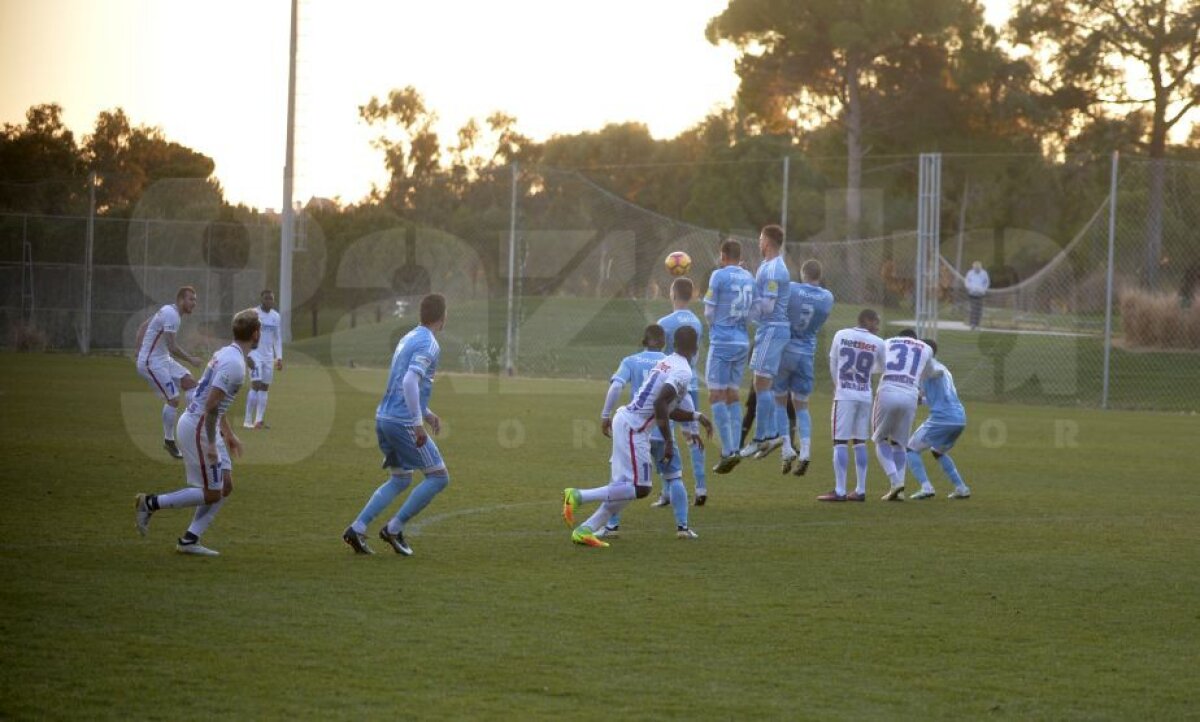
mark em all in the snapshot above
pixel 772 286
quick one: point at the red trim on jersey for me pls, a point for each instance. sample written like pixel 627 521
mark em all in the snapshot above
pixel 200 451
pixel 633 458
pixel 833 422
pixel 153 378
pixel 150 351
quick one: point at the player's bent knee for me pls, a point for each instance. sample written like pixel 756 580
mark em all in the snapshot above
pixel 641 492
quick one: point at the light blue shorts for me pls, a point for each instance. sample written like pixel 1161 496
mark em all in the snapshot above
pixel 725 365
pixel 795 375
pixel 399 446
pixel 936 436
pixel 769 343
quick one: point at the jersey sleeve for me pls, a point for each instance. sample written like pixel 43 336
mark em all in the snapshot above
pixel 170 319
pixel 624 372
pixel 229 376
pixel 423 359
pixel 710 296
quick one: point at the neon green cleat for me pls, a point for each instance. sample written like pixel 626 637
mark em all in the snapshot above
pixel 584 536
pixel 570 501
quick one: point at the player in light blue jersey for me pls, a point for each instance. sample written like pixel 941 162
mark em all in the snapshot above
pixel 947 419
pixel 726 307
pixel 682 291
pixel 400 427
pixel 772 289
pixel 808 306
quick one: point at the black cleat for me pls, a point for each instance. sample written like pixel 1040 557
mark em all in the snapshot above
pixel 172 449
pixel 396 541
pixel 701 499
pixel 801 467
pixel 357 542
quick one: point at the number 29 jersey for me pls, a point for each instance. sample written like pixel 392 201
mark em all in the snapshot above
pixel 854 355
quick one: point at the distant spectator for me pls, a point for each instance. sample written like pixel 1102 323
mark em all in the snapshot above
pixel 977 287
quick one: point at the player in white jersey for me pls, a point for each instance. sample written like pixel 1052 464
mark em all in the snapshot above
pixel 662 396
pixel 267 358
pixel 206 451
pixel 854 355
pixel 156 341
pixel 906 365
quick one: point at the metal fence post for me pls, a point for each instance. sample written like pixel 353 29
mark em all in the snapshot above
pixel 1108 291
pixel 512 272
pixel 88 255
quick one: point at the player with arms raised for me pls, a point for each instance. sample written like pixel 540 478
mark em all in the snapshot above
pixel 267 358
pixel 854 355
pixel 726 307
pixel 808 306
pixel 662 396
pixel 156 341
pixel 772 289
pixel 905 368
pixel 400 427
pixel 682 290
pixel 947 419
pixel 208 441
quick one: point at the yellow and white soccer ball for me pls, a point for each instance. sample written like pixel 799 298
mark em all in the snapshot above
pixel 678 263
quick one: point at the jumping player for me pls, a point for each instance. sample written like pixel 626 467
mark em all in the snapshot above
pixel 772 288
pixel 156 341
pixel 726 307
pixel 808 307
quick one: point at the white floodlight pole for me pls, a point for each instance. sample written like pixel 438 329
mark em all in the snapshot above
pixel 1108 293
pixel 288 234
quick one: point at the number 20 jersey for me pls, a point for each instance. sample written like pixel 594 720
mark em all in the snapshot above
pixel 854 355
pixel 730 291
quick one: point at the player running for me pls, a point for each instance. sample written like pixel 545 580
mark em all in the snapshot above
pixel 726 307
pixel 632 372
pixel 156 342
pixel 854 354
pixel 662 396
pixel 939 432
pixel 808 307
pixel 906 366
pixel 206 454
pixel 682 290
pixel 772 289
pixel 400 427
pixel 267 358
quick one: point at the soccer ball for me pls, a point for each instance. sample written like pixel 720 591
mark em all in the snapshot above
pixel 678 263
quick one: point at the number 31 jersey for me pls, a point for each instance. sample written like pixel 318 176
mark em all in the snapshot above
pixel 905 366
pixel 854 355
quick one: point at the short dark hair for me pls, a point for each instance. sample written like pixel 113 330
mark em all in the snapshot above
pixel 654 336
pixel 907 333
pixel 867 315
pixel 686 336
pixel 433 308
pixel 183 291
pixel 810 270
pixel 931 344
pixel 245 323
pixel 732 250
pixel 774 234
pixel 682 288
pixel 265 291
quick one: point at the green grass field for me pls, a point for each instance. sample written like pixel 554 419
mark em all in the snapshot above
pixel 1065 589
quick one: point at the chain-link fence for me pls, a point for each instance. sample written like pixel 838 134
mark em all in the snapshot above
pixel 586 249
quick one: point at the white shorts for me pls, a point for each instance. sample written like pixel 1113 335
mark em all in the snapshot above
pixel 893 417
pixel 200 473
pixel 264 369
pixel 632 462
pixel 164 377
pixel 850 420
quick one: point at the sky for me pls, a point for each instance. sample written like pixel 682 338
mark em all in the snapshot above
pixel 213 74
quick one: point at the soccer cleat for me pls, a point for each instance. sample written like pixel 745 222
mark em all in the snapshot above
pixel 726 464
pixel 701 497
pixel 832 496
pixel 141 514
pixel 801 468
pixel 396 541
pixel 261 426
pixel 357 542
pixel 855 496
pixel 786 463
pixel 584 536
pixel 247 425
pixel 749 449
pixel 766 447
pixel 896 493
pixel 682 532
pixel 662 500
pixel 570 502
pixel 195 549
pixel 172 449
pixel 922 494
pixel 962 492
pixel 608 532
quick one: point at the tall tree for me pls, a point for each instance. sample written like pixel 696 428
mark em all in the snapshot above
pixel 412 151
pixel 40 167
pixel 1140 54
pixel 811 60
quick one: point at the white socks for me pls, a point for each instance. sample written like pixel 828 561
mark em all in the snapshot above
pixel 203 517
pixel 169 416
pixel 611 492
pixel 182 498
pixel 262 406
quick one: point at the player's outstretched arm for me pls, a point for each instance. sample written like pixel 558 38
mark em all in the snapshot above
pixel 662 406
pixel 173 347
pixel 231 439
